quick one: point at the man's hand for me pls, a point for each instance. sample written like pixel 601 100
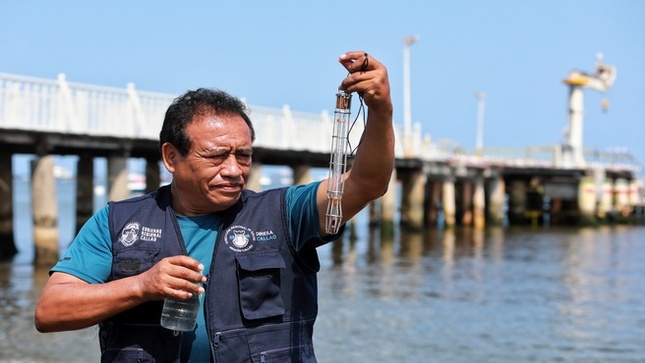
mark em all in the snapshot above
pixel 176 276
pixel 368 77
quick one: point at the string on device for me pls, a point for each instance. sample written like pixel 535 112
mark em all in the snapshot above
pixel 361 110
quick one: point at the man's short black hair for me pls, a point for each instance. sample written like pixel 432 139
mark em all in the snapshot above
pixel 198 102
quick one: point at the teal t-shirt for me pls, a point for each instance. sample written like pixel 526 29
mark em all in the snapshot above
pixel 89 257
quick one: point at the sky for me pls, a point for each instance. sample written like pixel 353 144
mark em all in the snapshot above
pixel 273 53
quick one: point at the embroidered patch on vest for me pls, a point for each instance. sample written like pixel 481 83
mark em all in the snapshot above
pixel 239 238
pixel 129 234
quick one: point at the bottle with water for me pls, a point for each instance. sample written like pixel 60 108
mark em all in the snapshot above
pixel 180 315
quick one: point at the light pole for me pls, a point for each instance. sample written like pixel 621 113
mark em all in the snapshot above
pixel 407 116
pixel 479 144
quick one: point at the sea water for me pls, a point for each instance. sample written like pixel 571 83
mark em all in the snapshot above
pixel 498 295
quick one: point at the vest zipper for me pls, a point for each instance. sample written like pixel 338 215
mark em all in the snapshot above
pixel 217 335
pixel 216 340
pixel 263 354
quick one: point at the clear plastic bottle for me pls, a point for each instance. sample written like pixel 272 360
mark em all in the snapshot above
pixel 180 315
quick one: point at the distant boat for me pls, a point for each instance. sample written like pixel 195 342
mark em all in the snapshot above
pixel 62 173
pixel 99 190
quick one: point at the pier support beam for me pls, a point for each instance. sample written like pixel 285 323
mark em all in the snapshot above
pixel 84 190
pixel 153 174
pixel 45 211
pixel 449 206
pixel 587 200
pixel 301 174
pixel 388 206
pixel 466 203
pixel 621 197
pixel 433 193
pixel 254 177
pixel 412 199
pixel 535 201
pixel 374 212
pixel 479 204
pixel 517 202
pixel 633 197
pixel 7 244
pixel 496 200
pixel 605 204
pixel 117 178
pixel 601 187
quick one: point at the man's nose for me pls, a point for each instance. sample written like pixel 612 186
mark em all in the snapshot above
pixel 231 166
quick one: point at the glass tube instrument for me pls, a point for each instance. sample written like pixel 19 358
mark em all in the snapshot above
pixel 338 162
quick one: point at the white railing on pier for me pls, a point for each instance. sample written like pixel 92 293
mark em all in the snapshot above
pixel 63 107
pixel 59 106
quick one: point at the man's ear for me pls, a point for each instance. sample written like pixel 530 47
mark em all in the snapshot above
pixel 169 155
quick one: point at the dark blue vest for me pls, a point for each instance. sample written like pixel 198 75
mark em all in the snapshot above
pixel 261 296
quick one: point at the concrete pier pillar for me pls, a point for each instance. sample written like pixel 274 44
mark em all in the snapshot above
pixel 373 213
pixel 599 177
pixel 153 174
pixel 449 206
pixel 45 211
pixel 479 204
pixel 7 244
pixel 254 177
pixel 633 197
pixel 117 178
pixel 605 204
pixel 621 197
pixel 517 201
pixel 496 200
pixel 535 201
pixel 467 203
pixel 301 174
pixel 84 190
pixel 412 199
pixel 587 200
pixel 433 192
pixel 388 207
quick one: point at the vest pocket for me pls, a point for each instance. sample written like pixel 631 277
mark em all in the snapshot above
pixel 259 284
pixel 138 343
pixel 126 355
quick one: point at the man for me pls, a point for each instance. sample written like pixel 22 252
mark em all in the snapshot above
pixel 250 256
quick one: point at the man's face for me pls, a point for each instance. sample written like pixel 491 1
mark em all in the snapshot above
pixel 212 176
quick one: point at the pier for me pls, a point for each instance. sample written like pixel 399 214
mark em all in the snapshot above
pixel 432 185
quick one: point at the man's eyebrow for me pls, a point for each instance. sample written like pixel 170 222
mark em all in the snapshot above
pixel 219 150
pixel 223 150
